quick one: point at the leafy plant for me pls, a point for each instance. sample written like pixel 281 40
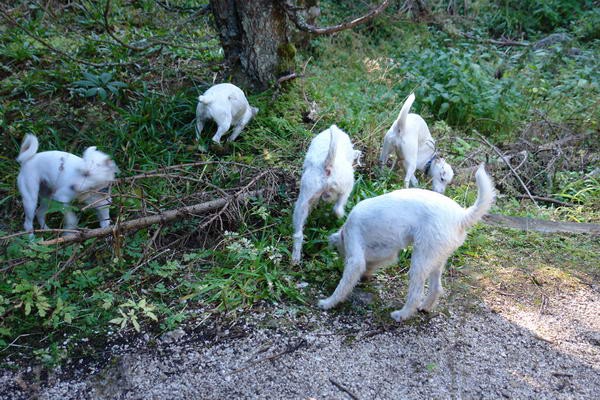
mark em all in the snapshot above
pixel 101 85
pixel 514 18
pixel 131 311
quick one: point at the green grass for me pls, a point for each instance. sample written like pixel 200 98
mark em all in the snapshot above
pixel 158 277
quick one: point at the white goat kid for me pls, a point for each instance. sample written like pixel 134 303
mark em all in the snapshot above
pixel 328 174
pixel 410 139
pixel 378 228
pixel 63 177
pixel 226 104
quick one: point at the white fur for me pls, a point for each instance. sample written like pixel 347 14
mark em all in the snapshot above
pixel 410 139
pixel 378 228
pixel 63 177
pixel 226 104
pixel 328 174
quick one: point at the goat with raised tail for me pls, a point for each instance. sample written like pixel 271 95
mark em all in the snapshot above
pixel 328 175
pixel 410 139
pixel 63 177
pixel 379 227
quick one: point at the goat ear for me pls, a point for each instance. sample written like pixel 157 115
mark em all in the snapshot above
pixel 88 152
pixel 111 164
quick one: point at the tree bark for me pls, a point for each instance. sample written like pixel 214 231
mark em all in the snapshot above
pixel 256 35
pixel 255 39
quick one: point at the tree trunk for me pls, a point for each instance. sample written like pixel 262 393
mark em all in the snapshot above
pixel 255 38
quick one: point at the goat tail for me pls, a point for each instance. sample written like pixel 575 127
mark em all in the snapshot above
pixel 28 149
pixel 329 160
pixel 401 121
pixel 485 198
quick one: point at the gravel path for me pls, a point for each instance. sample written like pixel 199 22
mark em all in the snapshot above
pixel 494 348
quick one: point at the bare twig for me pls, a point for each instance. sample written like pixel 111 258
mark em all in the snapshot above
pixel 343 389
pixel 504 42
pixel 70 261
pixel 34 231
pixel 497 151
pixel 108 30
pixel 564 140
pixel 161 171
pixel 291 11
pixel 6 15
pixel 285 78
pixel 288 350
pixel 205 9
pixel 227 204
pixel 547 200
pixel 152 41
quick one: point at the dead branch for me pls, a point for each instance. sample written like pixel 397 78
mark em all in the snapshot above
pixel 161 218
pixel 160 171
pixel 343 389
pixel 8 17
pixel 290 349
pixel 285 78
pixel 547 200
pixel 34 231
pixel 291 11
pixel 504 42
pixel 205 9
pixel 538 225
pixel 152 41
pixel 108 30
pixel 231 200
pixel 497 151
pixel 563 141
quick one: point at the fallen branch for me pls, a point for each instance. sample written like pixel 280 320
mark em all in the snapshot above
pixel 290 349
pixel 505 42
pixel 538 225
pixel 286 78
pixel 161 218
pixel 560 142
pixel 547 200
pixel 343 389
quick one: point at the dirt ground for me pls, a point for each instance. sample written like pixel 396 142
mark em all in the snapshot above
pixel 545 345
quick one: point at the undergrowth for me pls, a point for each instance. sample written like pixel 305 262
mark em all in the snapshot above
pixel 139 106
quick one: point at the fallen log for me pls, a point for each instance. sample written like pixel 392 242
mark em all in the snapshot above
pixel 539 225
pixel 161 218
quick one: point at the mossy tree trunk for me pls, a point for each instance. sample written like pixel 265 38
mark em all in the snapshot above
pixel 255 35
pixel 255 38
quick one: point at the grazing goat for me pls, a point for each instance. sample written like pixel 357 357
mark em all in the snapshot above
pixel 328 174
pixel 411 140
pixel 225 104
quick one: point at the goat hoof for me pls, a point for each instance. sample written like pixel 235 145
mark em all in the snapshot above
pixel 325 304
pixel 400 316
